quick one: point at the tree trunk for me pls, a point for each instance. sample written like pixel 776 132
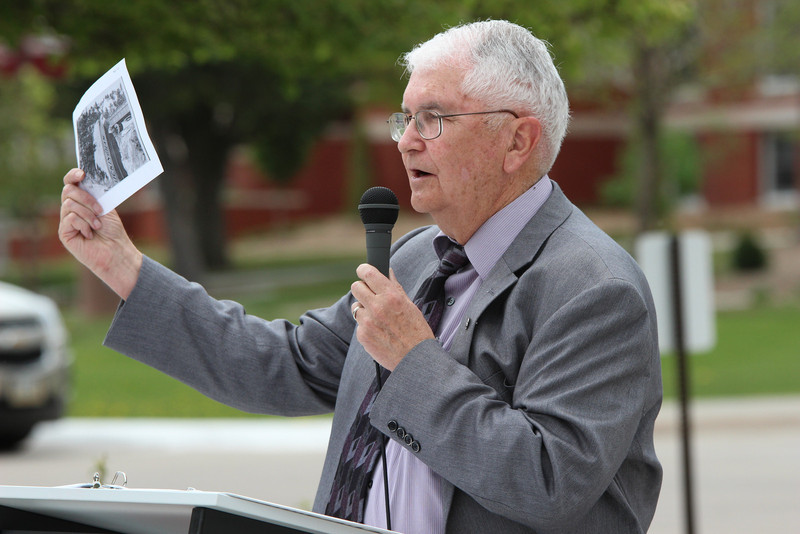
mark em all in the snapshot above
pixel 208 168
pixel 648 113
pixel 177 189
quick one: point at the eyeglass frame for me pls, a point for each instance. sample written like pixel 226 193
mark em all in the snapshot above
pixel 407 118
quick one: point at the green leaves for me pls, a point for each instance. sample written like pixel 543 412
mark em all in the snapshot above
pixel 34 148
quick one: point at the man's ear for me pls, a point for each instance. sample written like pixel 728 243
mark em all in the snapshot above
pixel 527 137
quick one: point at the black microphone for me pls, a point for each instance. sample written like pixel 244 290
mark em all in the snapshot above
pixel 378 210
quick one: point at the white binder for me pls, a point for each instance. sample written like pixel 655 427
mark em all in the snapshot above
pixel 149 511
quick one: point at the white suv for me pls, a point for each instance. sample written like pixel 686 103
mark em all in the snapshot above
pixel 34 362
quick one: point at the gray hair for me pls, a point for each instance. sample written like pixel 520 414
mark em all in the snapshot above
pixel 506 66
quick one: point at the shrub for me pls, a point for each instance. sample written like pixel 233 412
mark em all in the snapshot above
pixel 749 255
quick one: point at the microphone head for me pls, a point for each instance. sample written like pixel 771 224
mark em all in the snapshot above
pixel 378 205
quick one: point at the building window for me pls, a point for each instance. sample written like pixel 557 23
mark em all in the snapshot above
pixel 780 169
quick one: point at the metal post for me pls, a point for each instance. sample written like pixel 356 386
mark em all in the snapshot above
pixel 683 379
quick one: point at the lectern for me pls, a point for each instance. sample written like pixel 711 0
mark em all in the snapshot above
pixel 29 509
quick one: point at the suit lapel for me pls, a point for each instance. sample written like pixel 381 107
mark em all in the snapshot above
pixel 521 253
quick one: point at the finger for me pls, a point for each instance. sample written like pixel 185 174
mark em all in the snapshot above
pixel 74 176
pixel 84 212
pixel 70 190
pixel 72 224
pixel 82 197
pixel 371 276
pixel 74 198
pixel 71 187
pixel 361 292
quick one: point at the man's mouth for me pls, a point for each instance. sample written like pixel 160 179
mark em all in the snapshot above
pixel 418 173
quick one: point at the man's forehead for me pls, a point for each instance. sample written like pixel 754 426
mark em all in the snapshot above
pixel 435 90
pixel 431 105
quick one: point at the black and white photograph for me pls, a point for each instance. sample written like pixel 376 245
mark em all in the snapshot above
pixel 112 144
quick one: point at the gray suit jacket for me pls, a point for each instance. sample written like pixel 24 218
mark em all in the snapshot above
pixel 540 418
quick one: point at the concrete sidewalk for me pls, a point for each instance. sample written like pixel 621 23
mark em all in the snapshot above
pixel 746 456
pixel 746 466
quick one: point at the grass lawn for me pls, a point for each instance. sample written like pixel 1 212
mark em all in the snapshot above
pixel 758 353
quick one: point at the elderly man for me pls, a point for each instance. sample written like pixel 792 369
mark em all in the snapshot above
pixel 526 405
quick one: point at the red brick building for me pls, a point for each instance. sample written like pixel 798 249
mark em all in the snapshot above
pixel 750 159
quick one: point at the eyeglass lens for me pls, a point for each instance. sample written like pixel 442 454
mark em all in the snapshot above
pixel 397 125
pixel 428 124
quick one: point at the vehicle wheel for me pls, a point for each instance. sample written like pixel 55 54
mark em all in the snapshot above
pixel 11 438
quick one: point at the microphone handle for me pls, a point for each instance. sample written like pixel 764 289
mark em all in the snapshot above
pixel 379 243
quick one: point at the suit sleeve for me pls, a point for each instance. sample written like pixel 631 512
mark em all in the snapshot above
pixel 215 347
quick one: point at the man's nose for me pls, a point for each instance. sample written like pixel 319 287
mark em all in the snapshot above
pixel 411 139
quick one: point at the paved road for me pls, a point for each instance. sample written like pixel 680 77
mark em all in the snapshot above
pixel 746 460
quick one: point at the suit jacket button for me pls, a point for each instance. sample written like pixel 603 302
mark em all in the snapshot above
pixel 415 446
pixel 408 439
pixel 392 426
pixel 401 432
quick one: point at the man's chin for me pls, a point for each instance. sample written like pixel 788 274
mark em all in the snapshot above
pixel 419 204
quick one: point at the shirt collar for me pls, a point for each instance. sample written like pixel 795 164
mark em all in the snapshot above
pixel 493 238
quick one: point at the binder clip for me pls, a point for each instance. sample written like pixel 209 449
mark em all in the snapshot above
pixel 96 483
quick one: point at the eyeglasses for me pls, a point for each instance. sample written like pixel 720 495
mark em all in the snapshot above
pixel 429 123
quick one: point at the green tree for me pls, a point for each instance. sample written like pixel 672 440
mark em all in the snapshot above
pixel 199 66
pixel 33 149
pixel 642 48
pixel 212 74
pixel 32 144
pixel 681 159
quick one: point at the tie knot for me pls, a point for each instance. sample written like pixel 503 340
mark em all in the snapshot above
pixel 452 260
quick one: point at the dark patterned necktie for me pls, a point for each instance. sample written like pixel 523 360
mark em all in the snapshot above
pixel 361 447
pixel 430 297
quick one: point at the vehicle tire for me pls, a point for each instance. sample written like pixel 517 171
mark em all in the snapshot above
pixel 10 438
